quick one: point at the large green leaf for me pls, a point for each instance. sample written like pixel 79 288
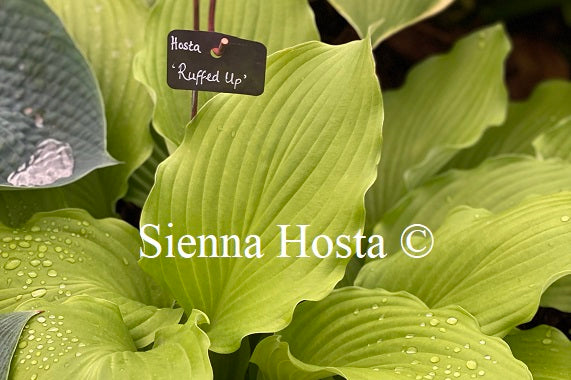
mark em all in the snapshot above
pixel 57 255
pixel 52 124
pixel 545 350
pixel 87 338
pixel 374 334
pixel 108 33
pixel 11 326
pixel 555 142
pixel 382 18
pixel 522 249
pixel 496 185
pixel 305 152
pixel 445 105
pixel 276 23
pixel 558 295
pixel 545 108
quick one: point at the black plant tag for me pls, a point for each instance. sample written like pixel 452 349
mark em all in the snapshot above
pixel 209 61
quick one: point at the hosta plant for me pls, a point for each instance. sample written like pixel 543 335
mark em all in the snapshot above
pixel 323 156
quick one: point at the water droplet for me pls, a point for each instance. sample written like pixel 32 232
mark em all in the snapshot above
pixel 482 342
pixel 24 244
pixel 356 311
pixel 12 264
pixel 434 359
pixel 434 322
pixel 409 336
pixel 546 341
pixel 411 350
pixel 565 218
pixel 125 261
pixel 375 307
pixel 481 373
pixel 32 274
pixel 487 357
pixel 52 160
pixel 22 344
pixel 457 349
pixel 52 273
pixel 39 293
pixel 471 364
pixel 451 321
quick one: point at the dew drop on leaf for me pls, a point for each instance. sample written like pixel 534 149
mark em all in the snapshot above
pixel 451 321
pixel 471 364
pixel 39 293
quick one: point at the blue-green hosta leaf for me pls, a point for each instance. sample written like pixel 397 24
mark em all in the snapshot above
pixel 11 326
pixel 382 18
pixel 555 142
pixel 545 350
pixel 52 125
pixel 93 24
pixel 374 334
pixel 498 184
pixel 276 23
pixel 445 105
pixel 522 249
pixel 86 337
pixel 305 152
pixel 545 108
pixel 60 254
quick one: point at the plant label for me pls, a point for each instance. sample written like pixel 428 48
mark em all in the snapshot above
pixel 210 61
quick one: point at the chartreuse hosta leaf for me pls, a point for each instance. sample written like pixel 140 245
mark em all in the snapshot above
pixel 276 23
pixel 87 337
pixel 374 334
pixel 546 107
pixel 60 254
pixel 545 350
pixel 555 142
pixel 524 248
pixel 52 125
pixel 445 105
pixel 558 295
pixel 88 194
pixel 304 153
pixel 382 18
pixel 498 184
pixel 142 180
pixel 11 326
